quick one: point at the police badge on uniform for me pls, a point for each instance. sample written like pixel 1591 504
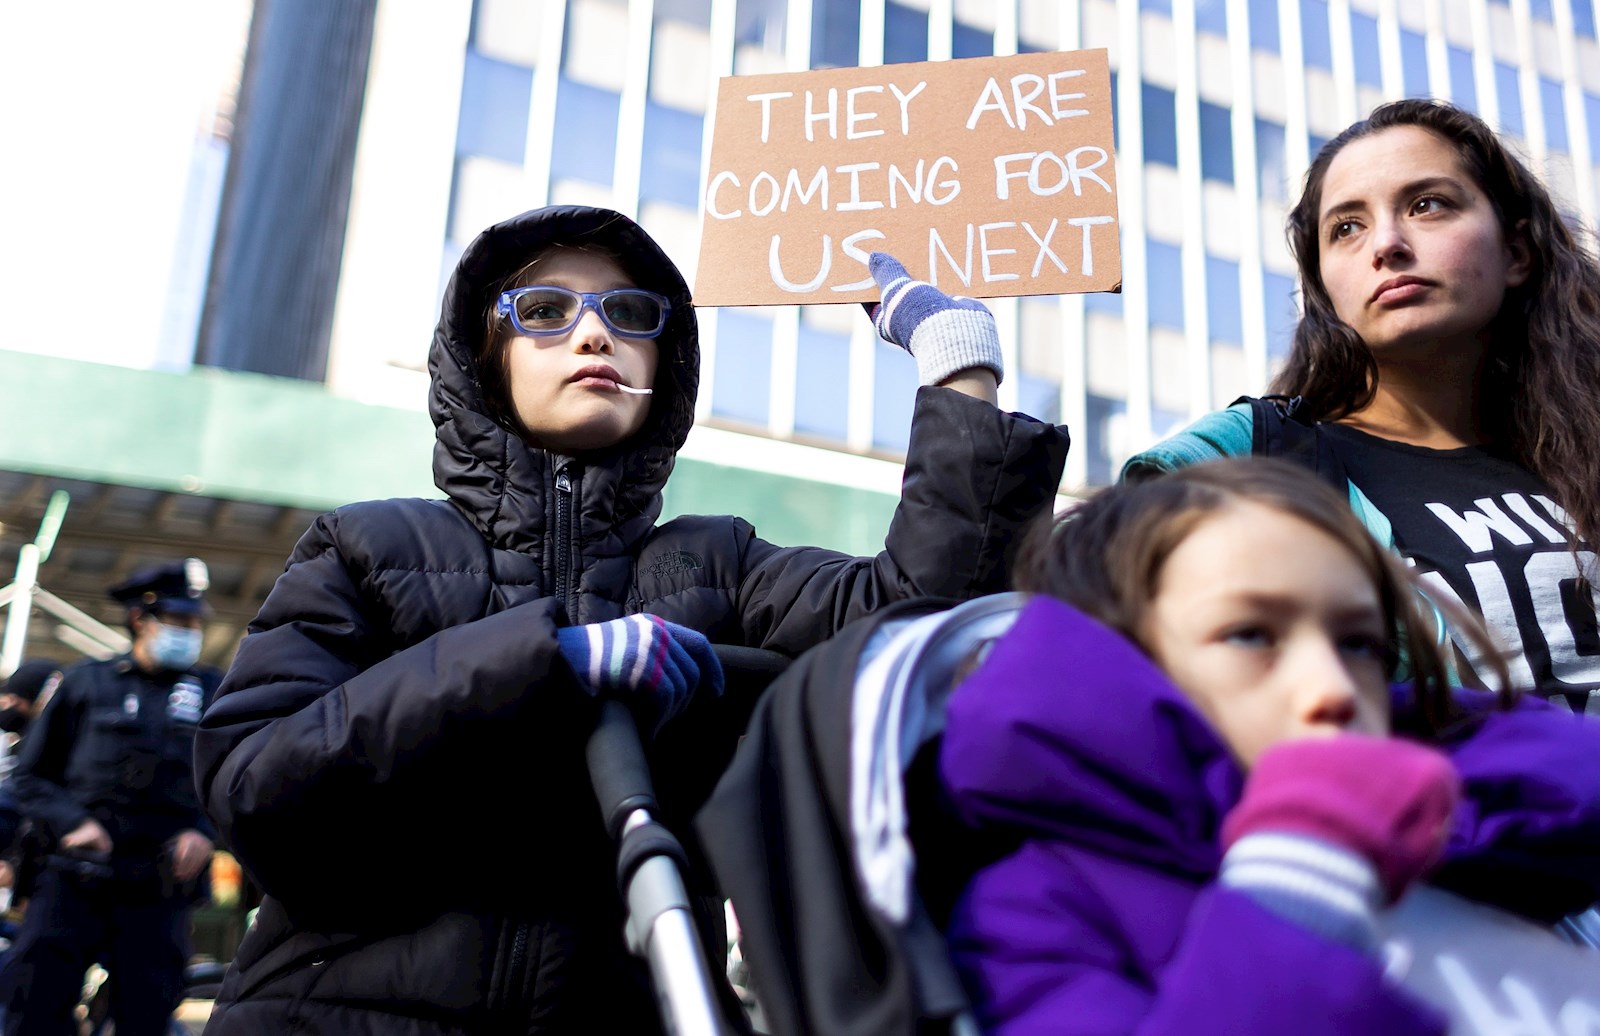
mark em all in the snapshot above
pixel 183 704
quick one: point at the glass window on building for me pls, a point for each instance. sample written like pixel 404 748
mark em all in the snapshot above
pixel 1159 6
pixel 1463 87
pixel 680 53
pixel 507 30
pixel 743 379
pixel 1160 125
pixel 1272 169
pixel 495 96
pixel 819 406
pixel 1364 39
pixel 1038 25
pixel 1510 97
pixel 1103 302
pixel 1542 10
pixel 1281 311
pixel 1040 357
pixel 1264 25
pixel 1223 309
pixel 692 12
pixel 1105 418
pixel 1164 279
pixel 761 23
pixel 1591 117
pixel 485 191
pixel 894 391
pixel 670 166
pixel 1216 143
pixel 905 33
pixel 1211 16
pixel 835 34
pixel 1555 115
pixel 1040 335
pixel 1038 398
pixel 586 134
pixel 1554 104
pixel 595 29
pixel 1583 17
pixel 1315 42
pixel 968 41
pixel 1413 63
pixel 1166 422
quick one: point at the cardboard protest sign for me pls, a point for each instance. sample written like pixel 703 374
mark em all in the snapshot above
pixel 985 176
pixel 1489 971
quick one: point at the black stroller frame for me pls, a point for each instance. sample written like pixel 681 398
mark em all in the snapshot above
pixel 809 829
pixel 651 862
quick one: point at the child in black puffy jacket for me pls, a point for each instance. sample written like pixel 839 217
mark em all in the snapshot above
pixel 396 754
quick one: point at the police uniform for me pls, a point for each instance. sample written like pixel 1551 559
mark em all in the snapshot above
pixel 115 745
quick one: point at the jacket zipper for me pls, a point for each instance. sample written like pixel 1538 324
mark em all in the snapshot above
pixel 565 593
pixel 566 588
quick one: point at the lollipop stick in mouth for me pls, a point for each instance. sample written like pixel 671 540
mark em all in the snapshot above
pixel 634 391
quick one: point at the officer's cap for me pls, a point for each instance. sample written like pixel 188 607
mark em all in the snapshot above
pixel 176 588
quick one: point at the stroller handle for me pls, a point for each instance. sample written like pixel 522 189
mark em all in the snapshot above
pixel 661 927
pixel 617 766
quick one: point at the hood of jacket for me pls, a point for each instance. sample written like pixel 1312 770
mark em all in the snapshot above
pixel 1068 731
pixel 495 477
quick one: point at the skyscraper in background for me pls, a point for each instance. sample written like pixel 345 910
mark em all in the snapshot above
pixel 468 111
pixel 478 110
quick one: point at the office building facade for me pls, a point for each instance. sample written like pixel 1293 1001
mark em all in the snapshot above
pixel 478 110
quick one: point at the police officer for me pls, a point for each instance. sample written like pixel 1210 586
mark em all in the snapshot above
pixel 106 776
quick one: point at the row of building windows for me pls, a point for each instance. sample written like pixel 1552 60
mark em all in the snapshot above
pixel 494 123
pixel 495 106
pixel 493 143
pixel 1315 28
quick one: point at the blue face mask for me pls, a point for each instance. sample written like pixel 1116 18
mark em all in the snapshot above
pixel 174 647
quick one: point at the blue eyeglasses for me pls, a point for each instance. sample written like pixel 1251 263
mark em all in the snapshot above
pixel 544 309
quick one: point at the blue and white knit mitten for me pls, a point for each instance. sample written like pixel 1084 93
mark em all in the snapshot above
pixel 1307 881
pixel 946 335
pixel 643 655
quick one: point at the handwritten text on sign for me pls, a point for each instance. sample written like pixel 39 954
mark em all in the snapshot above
pixel 986 176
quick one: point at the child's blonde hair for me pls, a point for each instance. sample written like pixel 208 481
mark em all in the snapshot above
pixel 1105 558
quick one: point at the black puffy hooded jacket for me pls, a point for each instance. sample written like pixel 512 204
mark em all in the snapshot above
pixel 396 754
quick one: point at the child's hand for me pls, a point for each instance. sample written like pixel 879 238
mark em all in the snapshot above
pixel 1329 829
pixel 946 335
pixel 1389 800
pixel 660 661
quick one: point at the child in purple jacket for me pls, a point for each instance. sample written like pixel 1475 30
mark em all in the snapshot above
pixel 1187 737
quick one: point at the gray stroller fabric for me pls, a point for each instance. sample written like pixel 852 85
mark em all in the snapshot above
pixel 807 832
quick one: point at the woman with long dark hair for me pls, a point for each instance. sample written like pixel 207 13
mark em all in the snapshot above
pixel 1446 372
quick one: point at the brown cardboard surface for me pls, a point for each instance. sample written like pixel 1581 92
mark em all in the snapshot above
pixel 988 177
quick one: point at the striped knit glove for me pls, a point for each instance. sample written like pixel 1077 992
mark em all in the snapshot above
pixel 658 663
pixel 946 335
pixel 1330 830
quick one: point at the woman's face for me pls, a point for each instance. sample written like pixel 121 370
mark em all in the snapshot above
pixel 1409 247
pixel 563 388
pixel 1272 629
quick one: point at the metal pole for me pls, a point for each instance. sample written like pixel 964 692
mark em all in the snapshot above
pixel 26 583
pixel 20 594
pixel 80 621
pixel 661 929
pixel 54 512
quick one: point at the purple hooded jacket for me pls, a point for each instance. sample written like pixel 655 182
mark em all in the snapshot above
pixel 1107 918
